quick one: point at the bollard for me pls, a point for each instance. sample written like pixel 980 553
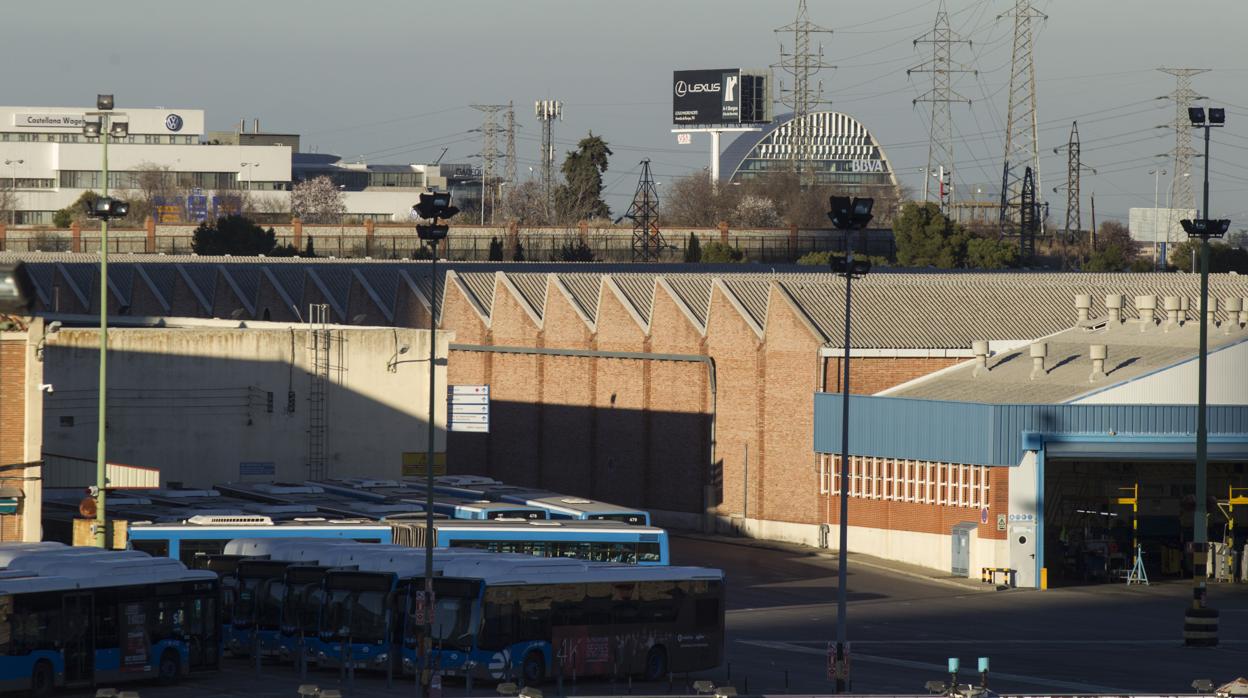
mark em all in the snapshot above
pixel 1200 627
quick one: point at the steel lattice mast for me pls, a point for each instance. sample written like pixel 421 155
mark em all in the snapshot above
pixel 1183 153
pixel 1073 166
pixel 805 93
pixel 940 139
pixel 509 175
pixel 547 111
pixel 1021 138
pixel 489 146
pixel 644 213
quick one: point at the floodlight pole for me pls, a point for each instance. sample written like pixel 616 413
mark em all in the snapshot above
pixel 842 556
pixel 427 640
pixel 101 466
pixel 1199 525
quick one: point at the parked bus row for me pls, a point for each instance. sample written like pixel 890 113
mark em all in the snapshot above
pixel 74 617
pixel 496 616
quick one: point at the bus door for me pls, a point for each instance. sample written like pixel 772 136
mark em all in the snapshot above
pixel 78 636
pixel 203 626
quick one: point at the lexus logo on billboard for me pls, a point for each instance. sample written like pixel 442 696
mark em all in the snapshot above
pixel 719 97
pixel 683 88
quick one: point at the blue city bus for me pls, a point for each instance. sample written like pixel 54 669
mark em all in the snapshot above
pixel 69 619
pixel 208 535
pixel 507 621
pixel 557 506
pixel 596 541
pixel 256 619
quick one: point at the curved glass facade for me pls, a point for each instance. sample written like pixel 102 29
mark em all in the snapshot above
pixel 844 152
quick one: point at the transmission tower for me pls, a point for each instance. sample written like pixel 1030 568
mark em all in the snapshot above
pixel 1074 167
pixel 941 66
pixel 548 110
pixel 509 175
pixel 489 148
pixel 804 94
pixel 644 213
pixel 1183 153
pixel 1021 140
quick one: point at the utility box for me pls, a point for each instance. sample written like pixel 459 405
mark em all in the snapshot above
pixel 960 555
pixel 118 533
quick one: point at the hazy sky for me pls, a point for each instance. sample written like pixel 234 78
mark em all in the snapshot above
pixel 391 81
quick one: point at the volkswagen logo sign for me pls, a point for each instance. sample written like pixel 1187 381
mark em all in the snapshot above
pixel 173 122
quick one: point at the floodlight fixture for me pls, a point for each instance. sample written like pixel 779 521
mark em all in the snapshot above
pixel 1196 115
pixel 1217 115
pixel 91 129
pixel 104 102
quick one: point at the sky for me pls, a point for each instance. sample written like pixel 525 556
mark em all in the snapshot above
pixel 391 81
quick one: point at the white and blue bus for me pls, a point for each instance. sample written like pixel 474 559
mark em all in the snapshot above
pixel 596 541
pixel 70 618
pixel 504 620
pixel 208 535
pixel 557 506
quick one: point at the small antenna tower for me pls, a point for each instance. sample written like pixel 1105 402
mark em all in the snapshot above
pixel 509 174
pixel 1021 138
pixel 644 213
pixel 548 111
pixel 804 94
pixel 940 96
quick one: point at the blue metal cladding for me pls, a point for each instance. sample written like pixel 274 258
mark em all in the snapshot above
pixel 983 434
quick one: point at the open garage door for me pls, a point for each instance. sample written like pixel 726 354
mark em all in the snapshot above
pixel 1097 511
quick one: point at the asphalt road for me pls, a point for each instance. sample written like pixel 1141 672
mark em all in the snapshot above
pixel 782 613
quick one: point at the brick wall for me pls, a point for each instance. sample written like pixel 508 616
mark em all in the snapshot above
pixel 638 431
pixel 870 375
pixel 12 426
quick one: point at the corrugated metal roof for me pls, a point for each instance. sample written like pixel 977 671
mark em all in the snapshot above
pixel 385 283
pixel 247 276
pixel 586 289
pixel 204 277
pixel 753 294
pixel 292 280
pixel 532 288
pixel 337 282
pixel 163 277
pixel 481 285
pixel 639 289
pixel 695 291
pixel 121 278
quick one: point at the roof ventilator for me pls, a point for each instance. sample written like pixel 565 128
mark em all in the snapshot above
pixel 1113 304
pixel 1083 306
pixel 1211 311
pixel 1174 310
pixel 1039 351
pixel 1146 306
pixel 979 347
pixel 1234 307
pixel 1099 353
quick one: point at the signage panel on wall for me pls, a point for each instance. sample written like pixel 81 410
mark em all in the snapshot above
pixel 468 408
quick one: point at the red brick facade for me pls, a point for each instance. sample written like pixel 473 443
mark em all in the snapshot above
pixel 637 431
pixel 12 427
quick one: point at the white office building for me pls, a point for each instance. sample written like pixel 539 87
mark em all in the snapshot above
pixel 46 163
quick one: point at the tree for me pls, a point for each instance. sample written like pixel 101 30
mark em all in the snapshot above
pixel 692 201
pixel 754 211
pixel 154 184
pixel 525 204
pixel 1222 257
pixel 926 238
pixel 517 253
pixel 75 212
pixel 1114 250
pixel 990 253
pixel 718 252
pixel 317 201
pixel 496 250
pixel 233 235
pixel 580 197
pixel 575 250
pixel 693 250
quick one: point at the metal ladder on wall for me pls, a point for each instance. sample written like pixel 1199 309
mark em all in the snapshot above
pixel 319 340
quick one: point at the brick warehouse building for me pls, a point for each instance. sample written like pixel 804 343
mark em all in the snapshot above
pixel 682 390
pixel 21 401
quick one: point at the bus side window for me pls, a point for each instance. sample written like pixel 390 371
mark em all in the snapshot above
pixel 107 633
pixel 499 629
pixel 192 548
pixel 155 548
pixel 648 552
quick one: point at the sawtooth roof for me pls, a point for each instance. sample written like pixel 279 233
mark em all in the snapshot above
pixel 892 310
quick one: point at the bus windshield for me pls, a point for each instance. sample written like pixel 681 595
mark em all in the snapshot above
pixel 245 599
pixel 302 607
pixel 359 616
pixel 454 623
pixel 270 599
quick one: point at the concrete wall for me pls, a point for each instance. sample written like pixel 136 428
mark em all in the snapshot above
pixel 195 401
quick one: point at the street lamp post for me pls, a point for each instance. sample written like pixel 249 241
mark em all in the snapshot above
pixel 846 215
pixel 13 189
pixel 103 126
pixel 1157 173
pixel 1203 228
pixel 248 165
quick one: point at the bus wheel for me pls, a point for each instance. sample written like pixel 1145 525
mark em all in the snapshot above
pixel 42 680
pixel 656 664
pixel 533 669
pixel 169 667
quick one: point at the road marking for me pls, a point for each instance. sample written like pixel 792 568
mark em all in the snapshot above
pixel 940 668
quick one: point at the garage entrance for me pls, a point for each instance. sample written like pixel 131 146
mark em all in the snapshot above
pixel 1091 527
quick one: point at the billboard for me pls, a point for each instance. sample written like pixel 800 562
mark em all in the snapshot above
pixel 720 96
pixel 1150 225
